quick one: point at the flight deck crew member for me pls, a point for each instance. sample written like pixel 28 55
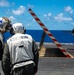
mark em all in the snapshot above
pixel 21 54
pixel 5 25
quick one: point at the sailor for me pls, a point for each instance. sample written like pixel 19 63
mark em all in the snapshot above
pixel 21 54
pixel 5 25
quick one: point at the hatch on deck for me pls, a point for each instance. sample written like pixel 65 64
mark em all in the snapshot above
pixel 50 52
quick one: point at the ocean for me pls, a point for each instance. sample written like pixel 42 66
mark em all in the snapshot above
pixel 61 36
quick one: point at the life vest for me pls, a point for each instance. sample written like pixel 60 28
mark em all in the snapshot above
pixel 20 48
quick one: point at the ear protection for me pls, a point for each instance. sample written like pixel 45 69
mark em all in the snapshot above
pixel 11 31
pixel 24 30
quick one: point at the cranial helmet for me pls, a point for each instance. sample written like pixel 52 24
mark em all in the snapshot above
pixel 5 24
pixel 17 28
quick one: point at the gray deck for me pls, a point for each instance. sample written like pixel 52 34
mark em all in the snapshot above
pixel 54 66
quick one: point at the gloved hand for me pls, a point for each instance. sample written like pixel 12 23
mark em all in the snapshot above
pixel 35 70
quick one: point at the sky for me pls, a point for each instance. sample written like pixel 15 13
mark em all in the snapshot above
pixel 54 14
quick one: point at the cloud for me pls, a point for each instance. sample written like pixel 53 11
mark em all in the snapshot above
pixel 61 18
pixel 27 24
pixel 11 18
pixel 47 16
pixel 4 3
pixel 19 11
pixel 8 11
pixel 71 12
pixel 68 9
pixel 30 6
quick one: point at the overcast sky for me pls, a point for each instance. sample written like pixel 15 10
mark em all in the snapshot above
pixel 54 14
